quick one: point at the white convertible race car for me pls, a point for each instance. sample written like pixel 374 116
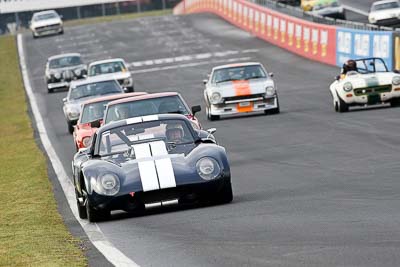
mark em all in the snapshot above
pixel 240 88
pixel 371 83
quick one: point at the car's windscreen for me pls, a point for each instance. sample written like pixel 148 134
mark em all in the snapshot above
pixel 121 139
pixel 65 62
pixel 371 66
pixel 110 67
pixel 384 6
pixel 45 16
pixel 93 111
pixel 94 89
pixel 238 73
pixel 138 108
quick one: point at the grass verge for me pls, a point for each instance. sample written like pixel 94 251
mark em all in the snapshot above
pixel 32 232
pixel 117 17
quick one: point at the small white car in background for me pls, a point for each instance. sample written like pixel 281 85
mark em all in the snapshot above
pixel 385 12
pixel 370 83
pixel 115 68
pixel 329 8
pixel 239 89
pixel 46 23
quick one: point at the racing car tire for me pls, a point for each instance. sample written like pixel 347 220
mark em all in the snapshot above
pixel 95 215
pixel 272 111
pixel 225 195
pixel 70 127
pixel 343 107
pixel 49 90
pixel 211 117
pixel 81 209
pixel 395 102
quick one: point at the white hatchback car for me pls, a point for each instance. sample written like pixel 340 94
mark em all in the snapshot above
pixel 46 23
pixel 385 12
pixel 369 84
pixel 114 68
pixel 238 89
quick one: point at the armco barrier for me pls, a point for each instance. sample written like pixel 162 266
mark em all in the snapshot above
pixel 360 44
pixel 324 43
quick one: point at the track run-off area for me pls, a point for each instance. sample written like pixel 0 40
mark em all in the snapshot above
pixel 311 187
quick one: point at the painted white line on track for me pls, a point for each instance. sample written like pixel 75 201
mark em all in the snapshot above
pixel 188 58
pixel 356 10
pixel 96 236
pixel 187 65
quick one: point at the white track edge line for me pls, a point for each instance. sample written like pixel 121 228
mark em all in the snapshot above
pixel 94 233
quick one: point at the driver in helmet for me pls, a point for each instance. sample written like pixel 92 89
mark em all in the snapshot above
pixel 122 112
pixel 174 133
pixel 349 65
pixel 96 111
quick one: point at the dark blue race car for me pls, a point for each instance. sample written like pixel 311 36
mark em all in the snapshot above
pixel 147 162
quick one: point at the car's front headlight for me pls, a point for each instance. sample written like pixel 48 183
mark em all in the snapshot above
pixel 215 98
pixel 208 168
pixel 396 80
pixel 86 141
pixel 57 75
pixel 347 87
pixel 107 184
pixel 270 91
pixel 372 19
pixel 126 82
pixel 78 72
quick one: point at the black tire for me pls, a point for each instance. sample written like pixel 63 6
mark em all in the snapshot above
pixel 225 195
pixel 81 209
pixel 50 90
pixel 34 36
pixel 70 127
pixel 211 117
pixel 272 111
pixel 395 102
pixel 95 215
pixel 335 106
pixel 343 107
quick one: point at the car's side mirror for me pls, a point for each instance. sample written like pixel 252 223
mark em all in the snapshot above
pixel 337 78
pixel 196 109
pixel 211 130
pixel 271 74
pixel 95 124
pixel 64 99
pixel 205 81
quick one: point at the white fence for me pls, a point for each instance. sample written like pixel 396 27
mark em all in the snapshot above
pixel 14 6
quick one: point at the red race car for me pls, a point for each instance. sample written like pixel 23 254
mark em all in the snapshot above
pixel 151 104
pixel 91 117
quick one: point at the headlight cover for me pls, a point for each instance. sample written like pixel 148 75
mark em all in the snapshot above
pixel 126 82
pixel 78 72
pixel 107 184
pixel 208 168
pixel 270 91
pixel 215 98
pixel 57 75
pixel 347 87
pixel 86 141
pixel 396 80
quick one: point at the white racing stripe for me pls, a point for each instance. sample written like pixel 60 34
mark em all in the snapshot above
pixel 147 169
pixel 166 176
pixel 94 233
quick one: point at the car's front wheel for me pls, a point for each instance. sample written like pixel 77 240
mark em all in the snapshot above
pixel 395 102
pixel 225 195
pixel 95 215
pixel 81 209
pixel 210 116
pixel 70 127
pixel 342 106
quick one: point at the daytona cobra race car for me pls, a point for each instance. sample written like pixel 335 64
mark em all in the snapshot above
pixel 240 88
pixel 369 82
pixel 146 162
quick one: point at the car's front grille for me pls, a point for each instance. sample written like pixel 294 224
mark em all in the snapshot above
pixel 240 98
pixel 48 27
pixel 372 90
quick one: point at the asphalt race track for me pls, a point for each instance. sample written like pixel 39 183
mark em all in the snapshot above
pixel 312 187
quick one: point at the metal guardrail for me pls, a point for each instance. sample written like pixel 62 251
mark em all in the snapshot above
pixel 300 13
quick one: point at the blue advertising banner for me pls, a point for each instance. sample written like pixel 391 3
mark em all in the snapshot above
pixel 355 44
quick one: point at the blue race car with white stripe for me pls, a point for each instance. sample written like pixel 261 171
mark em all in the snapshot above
pixel 147 162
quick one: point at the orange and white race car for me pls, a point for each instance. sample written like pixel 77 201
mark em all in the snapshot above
pixel 240 88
